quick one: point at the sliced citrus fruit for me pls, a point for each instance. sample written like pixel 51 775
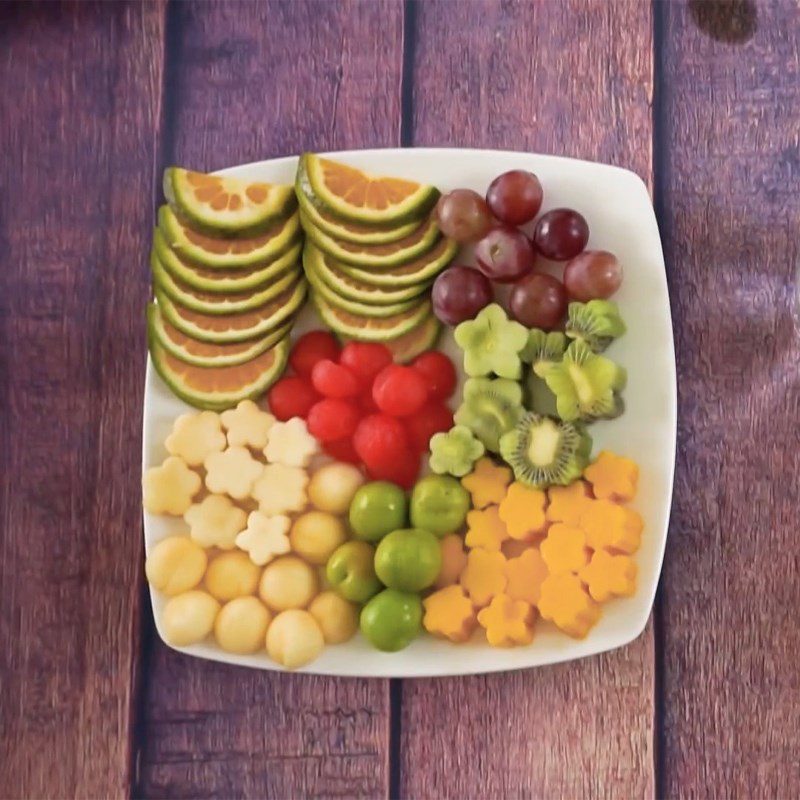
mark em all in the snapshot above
pixel 223 328
pixel 419 339
pixel 226 253
pixel 216 388
pixel 224 205
pixel 369 329
pixel 354 195
pixel 206 354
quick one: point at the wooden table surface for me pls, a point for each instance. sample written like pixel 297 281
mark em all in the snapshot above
pixel 700 99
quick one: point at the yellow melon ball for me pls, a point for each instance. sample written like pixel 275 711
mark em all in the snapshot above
pixel 332 487
pixel 188 618
pixel 294 639
pixel 241 625
pixel 336 617
pixel 288 582
pixel 175 565
pixel 316 534
pixel 232 574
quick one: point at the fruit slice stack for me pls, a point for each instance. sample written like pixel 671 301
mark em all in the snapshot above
pixel 373 249
pixel 228 283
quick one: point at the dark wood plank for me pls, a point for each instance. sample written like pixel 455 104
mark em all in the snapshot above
pixel 252 81
pixel 79 115
pixel 576 79
pixel 731 213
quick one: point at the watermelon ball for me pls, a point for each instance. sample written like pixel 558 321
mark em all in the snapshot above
pixel 380 440
pixel 430 419
pixel 342 450
pixel 403 471
pixel 365 359
pixel 291 397
pixel 333 380
pixel 332 418
pixel 439 373
pixel 310 348
pixel 399 391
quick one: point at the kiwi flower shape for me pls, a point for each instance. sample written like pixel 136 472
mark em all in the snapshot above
pixel 597 323
pixel 490 408
pixel 543 349
pixel 455 452
pixel 492 343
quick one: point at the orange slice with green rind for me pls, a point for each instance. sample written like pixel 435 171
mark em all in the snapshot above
pixel 423 337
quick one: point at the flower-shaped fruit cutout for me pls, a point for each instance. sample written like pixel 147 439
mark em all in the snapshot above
pixel 487 483
pixel 597 323
pixel 215 522
pixel 526 574
pixel 233 471
pixel 609 576
pixel 194 437
pixel 247 425
pixel 492 343
pixel 454 559
pixel 454 452
pixel 449 613
pixel 291 444
pixel 609 526
pixel 613 477
pixel 265 537
pixel 564 549
pixel 169 489
pixel 507 622
pixel 485 529
pixel 484 576
pixel 522 510
pixel 281 489
pixel 567 503
pixel 565 602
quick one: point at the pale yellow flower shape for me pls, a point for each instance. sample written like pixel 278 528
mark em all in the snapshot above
pixel 291 444
pixel 265 537
pixel 281 489
pixel 247 425
pixel 232 472
pixel 169 489
pixel 195 437
pixel 215 522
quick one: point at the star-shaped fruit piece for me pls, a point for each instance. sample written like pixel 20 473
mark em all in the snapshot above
pixel 492 344
pixel 487 483
pixel 567 503
pixel 609 526
pixel 291 444
pixel 484 576
pixel 564 549
pixel 247 425
pixel 609 576
pixel 522 510
pixel 454 559
pixel 525 574
pixel 565 602
pixel 265 537
pixel 454 452
pixel 232 472
pixel 485 529
pixel 449 613
pixel 613 477
pixel 215 522
pixel 169 489
pixel 281 489
pixel 507 622
pixel 196 436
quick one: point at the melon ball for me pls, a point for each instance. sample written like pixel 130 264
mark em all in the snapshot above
pixel 288 582
pixel 336 617
pixel 232 574
pixel 294 638
pixel 332 487
pixel 241 625
pixel 175 565
pixel 316 534
pixel 188 618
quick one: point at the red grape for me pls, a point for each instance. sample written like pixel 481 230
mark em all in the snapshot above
pixel 459 293
pixel 505 254
pixel 515 197
pixel 561 234
pixel 538 301
pixel 593 274
pixel 463 215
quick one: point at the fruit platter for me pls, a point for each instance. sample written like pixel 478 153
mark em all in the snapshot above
pixel 407 412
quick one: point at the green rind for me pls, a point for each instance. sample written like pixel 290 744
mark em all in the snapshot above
pixel 308 183
pixel 174 233
pixel 362 332
pixel 205 219
pixel 171 313
pixel 421 338
pixel 227 280
pixel 218 401
pixel 156 331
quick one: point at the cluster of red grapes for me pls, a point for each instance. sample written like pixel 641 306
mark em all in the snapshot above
pixel 506 255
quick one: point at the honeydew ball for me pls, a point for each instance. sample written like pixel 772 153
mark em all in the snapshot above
pixel 232 574
pixel 336 617
pixel 175 565
pixel 241 625
pixel 294 639
pixel 288 582
pixel 188 618
pixel 332 487
pixel 316 534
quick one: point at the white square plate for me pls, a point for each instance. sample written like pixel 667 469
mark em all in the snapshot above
pixel 617 206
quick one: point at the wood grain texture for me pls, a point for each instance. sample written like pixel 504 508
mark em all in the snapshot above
pixel 730 593
pixel 251 81
pixel 78 118
pixel 570 78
